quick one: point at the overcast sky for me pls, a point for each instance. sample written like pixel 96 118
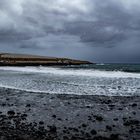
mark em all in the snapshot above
pixel 95 30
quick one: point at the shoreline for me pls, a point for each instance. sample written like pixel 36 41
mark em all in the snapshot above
pixel 38 116
pixel 8 59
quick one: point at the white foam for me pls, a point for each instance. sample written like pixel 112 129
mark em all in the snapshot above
pixel 72 72
pixel 54 92
pixel 21 89
pixel 38 91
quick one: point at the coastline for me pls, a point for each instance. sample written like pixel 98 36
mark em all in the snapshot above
pixel 38 116
pixel 8 59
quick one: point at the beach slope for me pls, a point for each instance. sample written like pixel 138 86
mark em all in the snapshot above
pixel 40 116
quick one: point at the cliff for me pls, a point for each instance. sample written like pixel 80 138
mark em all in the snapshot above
pixel 8 59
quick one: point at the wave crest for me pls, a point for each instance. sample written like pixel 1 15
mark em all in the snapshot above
pixel 72 72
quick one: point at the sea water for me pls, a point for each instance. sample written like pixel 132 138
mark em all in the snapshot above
pixel 99 79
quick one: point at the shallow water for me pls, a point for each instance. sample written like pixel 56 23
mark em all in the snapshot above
pixel 83 80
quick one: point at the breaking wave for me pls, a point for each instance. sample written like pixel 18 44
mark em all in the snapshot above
pixel 72 72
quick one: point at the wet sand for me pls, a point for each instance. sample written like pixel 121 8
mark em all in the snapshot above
pixel 41 116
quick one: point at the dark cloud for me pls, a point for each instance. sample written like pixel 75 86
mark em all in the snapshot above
pixel 96 30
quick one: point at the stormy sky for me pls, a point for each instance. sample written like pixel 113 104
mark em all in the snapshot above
pixel 96 30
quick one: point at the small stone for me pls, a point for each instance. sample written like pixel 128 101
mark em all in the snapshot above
pixel 111 106
pixel 134 112
pixel 65 138
pixel 131 122
pixel 93 132
pixel 41 122
pixel 3 104
pixel 116 119
pixel 12 113
pixel 84 125
pixel 24 115
pixel 88 106
pixel 113 125
pixel 134 105
pixel 109 128
pixel 54 116
pixel 114 136
pixel 99 118
pixel 28 105
pixel 53 129
pixel 59 119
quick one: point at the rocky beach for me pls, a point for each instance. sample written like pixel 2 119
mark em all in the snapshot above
pixel 40 116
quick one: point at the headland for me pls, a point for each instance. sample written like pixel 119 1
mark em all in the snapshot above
pixel 8 59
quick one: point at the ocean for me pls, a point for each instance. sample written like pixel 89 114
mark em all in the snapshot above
pixel 96 79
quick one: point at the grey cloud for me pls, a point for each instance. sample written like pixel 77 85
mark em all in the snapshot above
pixel 96 30
pixel 112 23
